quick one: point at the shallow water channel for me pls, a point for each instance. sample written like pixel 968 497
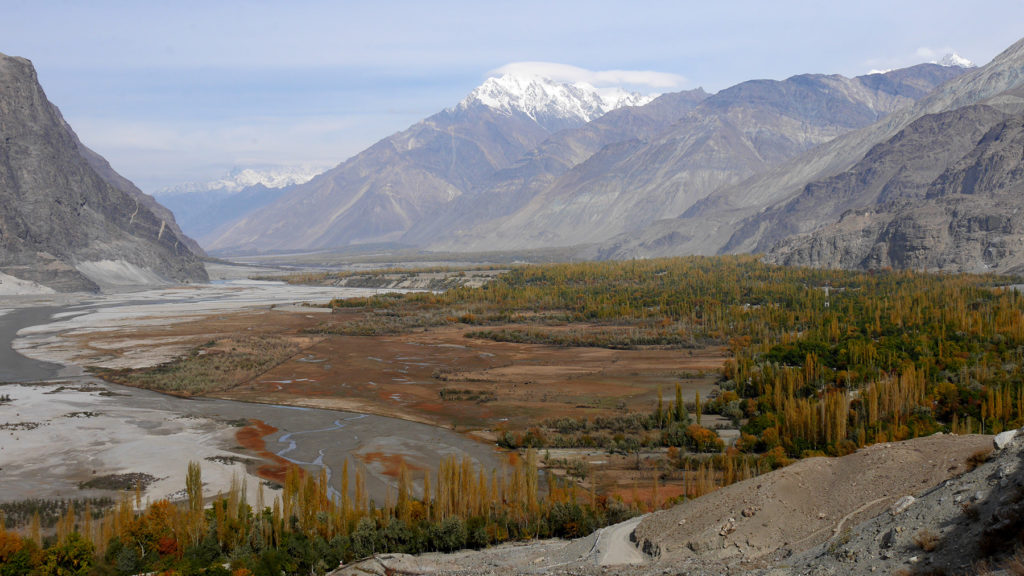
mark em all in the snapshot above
pixel 313 438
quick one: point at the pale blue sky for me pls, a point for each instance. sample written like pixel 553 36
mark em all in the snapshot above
pixel 178 91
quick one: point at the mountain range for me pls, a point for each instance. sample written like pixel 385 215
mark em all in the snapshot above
pixel 68 221
pixel 727 137
pixel 525 163
pixel 756 214
pixel 380 193
pixel 203 208
pixel 915 167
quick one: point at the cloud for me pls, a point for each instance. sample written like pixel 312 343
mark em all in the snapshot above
pixel 597 78
pixel 157 154
pixel 920 55
pixel 928 54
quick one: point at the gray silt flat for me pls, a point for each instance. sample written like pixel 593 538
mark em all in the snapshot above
pixel 13 366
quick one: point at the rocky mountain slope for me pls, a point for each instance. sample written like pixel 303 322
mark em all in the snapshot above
pixel 940 504
pixel 526 163
pixel 468 217
pixel 967 217
pixel 731 135
pixel 736 218
pixel 382 192
pixel 67 220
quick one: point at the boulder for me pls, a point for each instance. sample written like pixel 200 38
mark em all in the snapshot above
pixel 1003 439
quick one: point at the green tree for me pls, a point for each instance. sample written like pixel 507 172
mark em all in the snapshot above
pixel 680 409
pixel 73 557
pixel 194 486
pixel 450 535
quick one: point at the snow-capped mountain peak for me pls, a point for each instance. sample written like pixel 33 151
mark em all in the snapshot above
pixel 954 59
pixel 239 179
pixel 552 104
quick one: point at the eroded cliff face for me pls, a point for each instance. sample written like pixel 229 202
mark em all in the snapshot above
pixel 968 217
pixel 62 223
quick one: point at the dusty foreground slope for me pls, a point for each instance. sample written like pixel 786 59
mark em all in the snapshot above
pixel 818 516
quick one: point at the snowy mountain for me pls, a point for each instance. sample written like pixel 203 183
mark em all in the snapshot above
pixel 202 208
pixel 239 179
pixel 554 105
pixel 379 194
pixel 954 59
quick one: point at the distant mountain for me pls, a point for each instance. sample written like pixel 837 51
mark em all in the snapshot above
pixel 750 216
pixel 954 59
pixel 639 178
pixel 203 208
pixel 555 106
pixel 67 220
pixel 381 193
pixel 238 179
pixel 459 223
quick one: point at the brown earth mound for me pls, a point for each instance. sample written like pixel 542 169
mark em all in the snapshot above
pixel 758 527
pixel 798 507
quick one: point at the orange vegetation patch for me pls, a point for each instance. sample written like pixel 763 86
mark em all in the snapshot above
pixel 439 376
pixel 643 496
pixel 252 437
pixel 391 463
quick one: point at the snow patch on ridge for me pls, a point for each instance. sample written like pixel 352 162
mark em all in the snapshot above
pixel 540 98
pixel 954 59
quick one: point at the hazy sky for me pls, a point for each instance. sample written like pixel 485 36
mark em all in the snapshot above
pixel 177 91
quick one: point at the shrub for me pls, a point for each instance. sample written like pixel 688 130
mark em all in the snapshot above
pixel 927 540
pixel 448 536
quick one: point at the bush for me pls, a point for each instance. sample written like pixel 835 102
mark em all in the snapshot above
pixel 364 539
pixel 568 520
pixel 72 558
pixel 448 536
pixel 700 439
pixel 926 540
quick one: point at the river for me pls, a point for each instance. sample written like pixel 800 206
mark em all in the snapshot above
pixel 128 429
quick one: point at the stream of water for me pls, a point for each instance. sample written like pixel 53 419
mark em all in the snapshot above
pixel 313 438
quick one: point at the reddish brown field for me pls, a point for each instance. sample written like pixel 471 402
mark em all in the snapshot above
pixel 252 437
pixel 519 384
pixel 516 385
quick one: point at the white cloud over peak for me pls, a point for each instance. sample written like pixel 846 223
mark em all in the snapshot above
pixel 928 54
pixel 599 78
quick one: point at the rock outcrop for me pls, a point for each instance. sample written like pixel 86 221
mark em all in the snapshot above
pixel 67 220
pixel 942 504
pixel 968 217
pixel 735 218
pixel 741 131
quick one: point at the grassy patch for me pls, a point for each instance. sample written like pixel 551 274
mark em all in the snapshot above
pixel 216 365
pixel 127 481
pixel 20 512
pixel 455 394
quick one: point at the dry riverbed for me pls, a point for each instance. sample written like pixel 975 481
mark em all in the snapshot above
pixel 75 436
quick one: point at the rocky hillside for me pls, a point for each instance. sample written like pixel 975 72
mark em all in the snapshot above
pixel 382 192
pixel 967 217
pixel 736 133
pixel 67 220
pixel 943 504
pixel 734 218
